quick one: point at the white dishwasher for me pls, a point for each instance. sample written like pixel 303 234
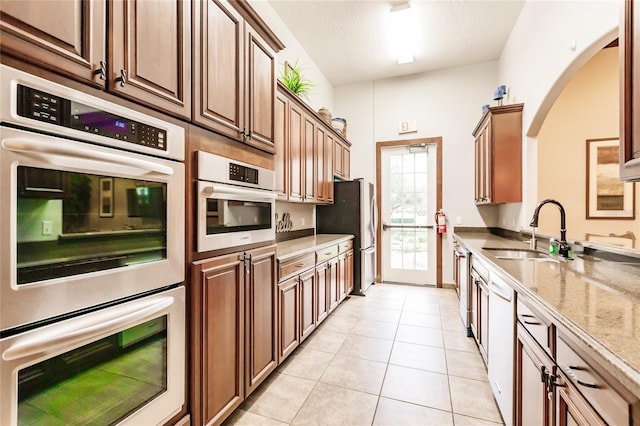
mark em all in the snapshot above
pixel 501 345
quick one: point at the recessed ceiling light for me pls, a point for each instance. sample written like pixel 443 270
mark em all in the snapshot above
pixel 402 32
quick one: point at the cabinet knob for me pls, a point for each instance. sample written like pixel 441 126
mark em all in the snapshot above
pixel 123 77
pixel 102 71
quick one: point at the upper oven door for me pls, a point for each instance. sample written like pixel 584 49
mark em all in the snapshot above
pixel 83 225
pixel 232 216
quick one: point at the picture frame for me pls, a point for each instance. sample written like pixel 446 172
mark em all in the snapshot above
pixel 607 197
pixel 106 197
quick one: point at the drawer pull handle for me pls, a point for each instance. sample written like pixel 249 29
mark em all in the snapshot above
pixel 532 322
pixel 587 385
pixel 527 315
pixel 299 265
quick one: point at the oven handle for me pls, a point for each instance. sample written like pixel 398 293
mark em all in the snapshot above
pixel 31 146
pixel 84 329
pixel 255 195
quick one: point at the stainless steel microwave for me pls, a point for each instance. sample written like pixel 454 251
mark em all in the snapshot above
pixel 236 203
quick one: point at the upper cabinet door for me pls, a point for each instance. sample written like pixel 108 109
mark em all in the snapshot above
pixel 630 91
pixel 261 91
pixel 65 36
pixel 219 67
pixel 150 53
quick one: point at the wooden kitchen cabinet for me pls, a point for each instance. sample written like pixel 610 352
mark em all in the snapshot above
pixel 309 159
pixel 289 316
pixel 323 284
pixel 137 68
pixel 234 74
pixel 296 153
pixel 261 305
pixel 629 49
pixel 329 146
pixel 341 159
pixel 498 155
pixel 346 274
pixel 217 356
pixel 480 306
pixel 533 367
pixel 64 36
pixel 296 302
pixel 234 335
pixel 307 283
pixel 281 155
pixel 333 283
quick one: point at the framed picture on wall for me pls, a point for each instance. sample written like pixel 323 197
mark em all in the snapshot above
pixel 607 196
pixel 106 197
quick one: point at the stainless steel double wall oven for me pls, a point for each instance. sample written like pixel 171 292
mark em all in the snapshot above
pixel 91 259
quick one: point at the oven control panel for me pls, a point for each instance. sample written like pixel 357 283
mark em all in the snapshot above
pixel 42 106
pixel 242 173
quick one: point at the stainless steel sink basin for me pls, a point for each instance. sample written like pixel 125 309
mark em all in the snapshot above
pixel 519 254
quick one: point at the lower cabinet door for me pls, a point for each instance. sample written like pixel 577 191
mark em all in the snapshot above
pixel 289 318
pixel 307 285
pixel 322 296
pixel 533 405
pixel 333 283
pixel 217 376
pixel 261 304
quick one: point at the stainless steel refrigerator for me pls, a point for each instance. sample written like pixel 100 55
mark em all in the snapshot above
pixel 354 211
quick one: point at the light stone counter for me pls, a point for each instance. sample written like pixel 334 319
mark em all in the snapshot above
pixel 596 301
pixel 289 249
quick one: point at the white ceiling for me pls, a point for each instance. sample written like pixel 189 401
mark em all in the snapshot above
pixel 348 42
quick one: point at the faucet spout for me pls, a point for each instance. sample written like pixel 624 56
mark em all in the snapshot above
pixel 564 246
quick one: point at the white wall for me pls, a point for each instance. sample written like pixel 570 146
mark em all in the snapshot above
pixel 446 103
pixel 322 92
pixel 549 43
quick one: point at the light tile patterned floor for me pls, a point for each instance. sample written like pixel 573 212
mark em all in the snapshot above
pixel 398 356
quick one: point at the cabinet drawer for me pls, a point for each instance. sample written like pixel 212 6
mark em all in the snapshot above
pixel 539 327
pixel 326 253
pixel 295 266
pixel 609 404
pixel 345 246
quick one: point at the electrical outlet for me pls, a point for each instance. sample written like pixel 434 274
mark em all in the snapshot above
pixel 47 227
pixel 458 220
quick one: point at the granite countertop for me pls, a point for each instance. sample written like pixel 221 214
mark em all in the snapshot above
pixel 299 246
pixel 596 301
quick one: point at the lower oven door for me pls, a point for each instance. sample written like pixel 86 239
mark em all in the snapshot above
pixel 124 364
pixel 230 216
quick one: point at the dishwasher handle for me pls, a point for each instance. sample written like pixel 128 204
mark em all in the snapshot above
pixel 501 290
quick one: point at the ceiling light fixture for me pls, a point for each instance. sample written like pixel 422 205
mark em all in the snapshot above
pixel 402 30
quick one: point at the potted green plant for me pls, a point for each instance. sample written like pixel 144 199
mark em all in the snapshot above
pixel 293 79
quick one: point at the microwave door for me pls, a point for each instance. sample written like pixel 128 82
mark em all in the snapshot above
pixel 232 216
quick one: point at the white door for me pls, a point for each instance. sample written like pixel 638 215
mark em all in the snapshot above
pixel 408 206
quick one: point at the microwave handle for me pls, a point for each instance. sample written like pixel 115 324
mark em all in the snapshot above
pixel 81 330
pixel 217 189
pixel 31 146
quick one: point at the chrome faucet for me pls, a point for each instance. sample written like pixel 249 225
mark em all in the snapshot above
pixel 563 246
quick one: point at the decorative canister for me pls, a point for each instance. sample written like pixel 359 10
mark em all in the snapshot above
pixel 325 114
pixel 340 124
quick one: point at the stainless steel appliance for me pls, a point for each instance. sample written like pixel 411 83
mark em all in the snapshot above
pixel 236 203
pixel 91 259
pixel 121 364
pixel 91 201
pixel 354 211
pixel 461 275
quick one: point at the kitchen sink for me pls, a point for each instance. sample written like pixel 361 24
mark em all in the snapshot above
pixel 520 254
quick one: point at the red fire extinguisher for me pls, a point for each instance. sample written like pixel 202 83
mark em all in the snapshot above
pixel 441 222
